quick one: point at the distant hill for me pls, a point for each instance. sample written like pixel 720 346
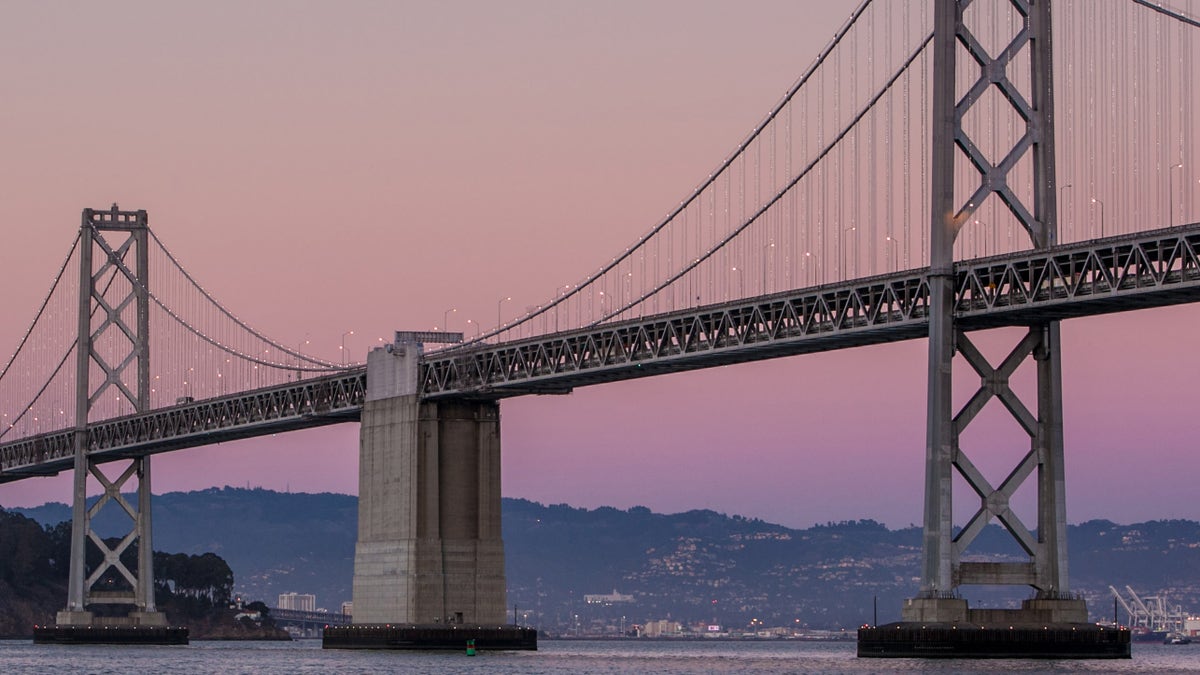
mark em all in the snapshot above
pixel 694 566
pixel 192 590
pixel 275 542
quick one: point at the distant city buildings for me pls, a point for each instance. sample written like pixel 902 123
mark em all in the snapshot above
pixel 348 608
pixel 300 602
pixel 607 598
pixel 662 628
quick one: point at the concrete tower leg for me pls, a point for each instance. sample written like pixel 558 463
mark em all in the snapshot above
pixel 429 547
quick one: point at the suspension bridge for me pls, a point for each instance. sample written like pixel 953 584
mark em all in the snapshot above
pixel 940 168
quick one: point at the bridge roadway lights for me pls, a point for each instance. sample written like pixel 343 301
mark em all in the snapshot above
pixel 138 628
pixel 997 638
pixel 144 628
pixel 110 634
pixel 430 637
pixel 947 628
pixel 429 561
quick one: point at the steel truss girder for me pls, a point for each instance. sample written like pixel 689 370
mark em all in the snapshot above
pixel 777 325
pixel 1118 272
pixel 1115 274
pixel 1133 271
pixel 308 403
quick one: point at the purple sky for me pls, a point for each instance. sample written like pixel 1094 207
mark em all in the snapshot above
pixel 366 166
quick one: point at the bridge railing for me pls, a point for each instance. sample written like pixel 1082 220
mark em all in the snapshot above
pixel 309 618
pixel 853 313
pixel 305 403
pixel 1146 269
pixel 1151 268
pixel 1133 271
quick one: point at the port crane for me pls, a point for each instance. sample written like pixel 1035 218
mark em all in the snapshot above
pixel 1154 613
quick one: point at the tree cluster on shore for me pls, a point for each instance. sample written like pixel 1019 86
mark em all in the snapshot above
pixel 193 590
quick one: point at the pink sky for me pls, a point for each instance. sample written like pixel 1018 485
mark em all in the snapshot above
pixel 366 166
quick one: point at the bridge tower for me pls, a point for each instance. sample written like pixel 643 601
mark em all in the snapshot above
pixel 113 343
pixel 429 549
pixel 938 623
pixel 943 569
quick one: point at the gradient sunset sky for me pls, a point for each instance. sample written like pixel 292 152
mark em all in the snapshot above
pixel 323 167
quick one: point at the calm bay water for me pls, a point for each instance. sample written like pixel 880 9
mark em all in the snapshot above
pixel 553 658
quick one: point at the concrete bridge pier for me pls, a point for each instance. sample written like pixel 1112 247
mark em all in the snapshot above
pixel 429 549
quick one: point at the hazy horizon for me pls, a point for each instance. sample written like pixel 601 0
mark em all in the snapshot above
pixel 793 526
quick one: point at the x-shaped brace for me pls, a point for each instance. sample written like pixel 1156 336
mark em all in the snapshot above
pixel 994 502
pixel 112 492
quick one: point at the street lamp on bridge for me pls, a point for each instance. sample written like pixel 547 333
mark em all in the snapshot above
pixel 446 319
pixel 1061 201
pixel 1097 201
pixel 765 264
pixel 299 365
pixel 995 237
pixel 842 249
pixel 343 347
pixel 1171 194
pixel 498 304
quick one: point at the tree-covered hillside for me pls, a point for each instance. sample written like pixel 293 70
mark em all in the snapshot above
pixel 694 566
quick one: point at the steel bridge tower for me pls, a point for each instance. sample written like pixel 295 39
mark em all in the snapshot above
pixel 943 570
pixel 114 343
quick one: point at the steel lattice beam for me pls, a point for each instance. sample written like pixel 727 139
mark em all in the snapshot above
pixel 313 402
pixel 1150 269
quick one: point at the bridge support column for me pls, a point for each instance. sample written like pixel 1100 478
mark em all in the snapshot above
pixel 937 622
pixel 121 240
pixel 943 570
pixel 429 547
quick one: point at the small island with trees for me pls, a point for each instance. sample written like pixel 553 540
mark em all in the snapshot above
pixel 192 590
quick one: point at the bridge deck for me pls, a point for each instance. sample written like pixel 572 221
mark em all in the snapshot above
pixel 1147 269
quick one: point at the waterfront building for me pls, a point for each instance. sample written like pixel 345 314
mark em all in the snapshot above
pixel 300 602
pixel 662 628
pixel 607 598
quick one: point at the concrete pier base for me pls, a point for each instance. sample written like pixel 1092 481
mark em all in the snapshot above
pixel 948 628
pixel 138 627
pixel 72 618
pixel 135 618
pixel 955 610
pixel 429 550
pixel 430 637
pixel 111 633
